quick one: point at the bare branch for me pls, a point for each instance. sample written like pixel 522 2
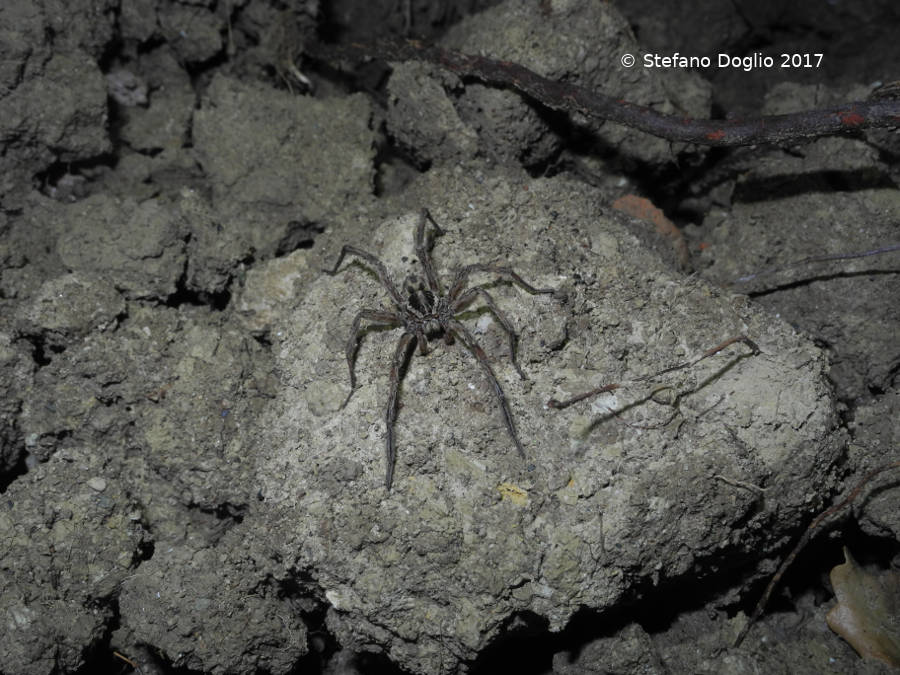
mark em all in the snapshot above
pixel 881 111
pixel 814 526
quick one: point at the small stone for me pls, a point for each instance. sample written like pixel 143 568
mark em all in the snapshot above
pixel 97 483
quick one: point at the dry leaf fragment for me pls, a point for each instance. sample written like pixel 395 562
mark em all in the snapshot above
pixel 644 209
pixel 868 611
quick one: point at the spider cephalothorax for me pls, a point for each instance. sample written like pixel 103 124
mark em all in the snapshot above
pixel 427 312
pixel 428 315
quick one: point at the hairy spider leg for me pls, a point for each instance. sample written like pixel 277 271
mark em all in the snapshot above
pixel 469 297
pixel 423 250
pixel 462 275
pixel 401 357
pixel 380 269
pixel 472 345
pixel 378 316
pixel 421 340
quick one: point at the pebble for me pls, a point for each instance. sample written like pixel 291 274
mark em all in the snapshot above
pixel 97 483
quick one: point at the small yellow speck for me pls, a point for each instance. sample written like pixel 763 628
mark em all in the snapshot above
pixel 513 493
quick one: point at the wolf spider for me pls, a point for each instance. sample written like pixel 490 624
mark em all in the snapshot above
pixel 426 312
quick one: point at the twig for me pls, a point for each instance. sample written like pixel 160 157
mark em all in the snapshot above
pixel 818 258
pixel 559 405
pixel 566 97
pixel 616 415
pixel 807 535
pixel 740 483
pixel 130 662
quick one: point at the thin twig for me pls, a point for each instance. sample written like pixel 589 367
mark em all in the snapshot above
pixel 818 258
pixel 616 415
pixel 559 405
pixel 570 98
pixel 130 662
pixel 807 535
pixel 740 483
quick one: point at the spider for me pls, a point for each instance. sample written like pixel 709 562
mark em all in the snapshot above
pixel 426 312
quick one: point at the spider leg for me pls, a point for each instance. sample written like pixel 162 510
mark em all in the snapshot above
pixel 401 356
pixel 472 345
pixel 378 316
pixel 378 266
pixel 468 297
pixel 422 250
pixel 462 275
pixel 422 340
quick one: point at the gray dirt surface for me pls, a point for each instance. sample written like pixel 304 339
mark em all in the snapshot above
pixel 197 604
pixel 427 127
pixel 788 645
pixel 54 102
pixel 245 139
pixel 579 41
pixel 140 246
pixel 63 559
pixel 838 300
pixel 876 436
pixel 471 534
pixel 180 482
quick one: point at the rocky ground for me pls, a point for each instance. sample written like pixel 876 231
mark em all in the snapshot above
pixel 184 484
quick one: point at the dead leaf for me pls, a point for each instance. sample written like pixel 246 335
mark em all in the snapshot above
pixel 644 209
pixel 868 611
